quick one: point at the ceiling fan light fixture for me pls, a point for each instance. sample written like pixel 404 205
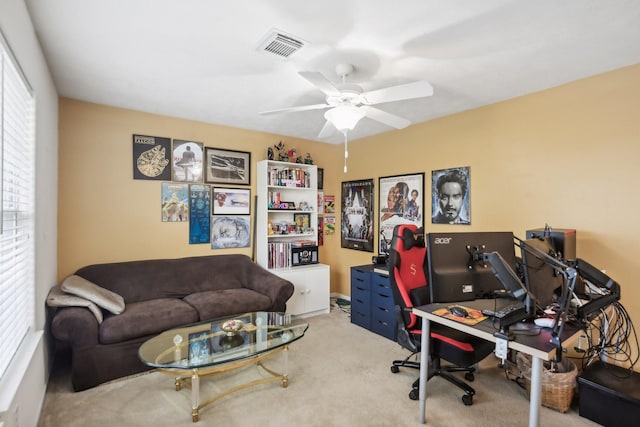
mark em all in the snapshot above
pixel 344 117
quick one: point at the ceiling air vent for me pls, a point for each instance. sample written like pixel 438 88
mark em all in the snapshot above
pixel 281 44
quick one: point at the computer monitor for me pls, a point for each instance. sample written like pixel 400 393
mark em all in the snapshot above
pixel 540 277
pixel 453 273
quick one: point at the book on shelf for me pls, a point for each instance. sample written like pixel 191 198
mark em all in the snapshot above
pixel 289 177
pixel 302 243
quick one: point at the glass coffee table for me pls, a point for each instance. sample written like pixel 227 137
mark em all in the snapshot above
pixel 221 345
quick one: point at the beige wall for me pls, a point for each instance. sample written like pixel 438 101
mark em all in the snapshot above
pixel 105 215
pixel 563 157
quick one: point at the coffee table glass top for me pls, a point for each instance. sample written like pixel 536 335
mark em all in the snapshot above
pixel 221 340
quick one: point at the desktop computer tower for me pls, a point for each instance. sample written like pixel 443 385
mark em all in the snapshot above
pixel 564 240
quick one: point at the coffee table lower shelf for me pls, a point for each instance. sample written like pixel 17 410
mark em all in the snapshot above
pixel 193 380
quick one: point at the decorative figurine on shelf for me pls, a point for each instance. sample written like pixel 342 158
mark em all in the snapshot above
pixel 282 153
pixel 269 153
pixel 308 160
pixel 299 159
pixel 292 154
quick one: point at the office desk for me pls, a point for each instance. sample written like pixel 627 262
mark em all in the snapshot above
pixel 538 346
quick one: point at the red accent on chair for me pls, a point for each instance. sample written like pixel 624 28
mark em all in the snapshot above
pixel 407 274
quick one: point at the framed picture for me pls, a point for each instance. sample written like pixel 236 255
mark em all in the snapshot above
pixel 227 166
pixel 151 157
pixel 187 161
pixel 200 346
pixel 450 200
pixel 302 221
pixel 357 215
pixel 230 232
pixel 320 178
pixel 401 202
pixel 231 201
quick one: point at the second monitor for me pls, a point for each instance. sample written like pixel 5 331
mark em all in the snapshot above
pixel 454 275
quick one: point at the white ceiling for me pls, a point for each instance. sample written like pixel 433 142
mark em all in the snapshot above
pixel 198 59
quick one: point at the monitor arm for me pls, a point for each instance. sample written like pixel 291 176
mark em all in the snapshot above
pixel 570 274
pixel 509 279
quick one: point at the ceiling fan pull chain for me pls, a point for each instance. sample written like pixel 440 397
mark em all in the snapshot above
pixel 346 151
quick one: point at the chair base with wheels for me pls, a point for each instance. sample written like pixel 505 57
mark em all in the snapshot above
pixel 435 366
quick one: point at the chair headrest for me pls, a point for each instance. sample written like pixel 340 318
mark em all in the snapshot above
pixel 410 235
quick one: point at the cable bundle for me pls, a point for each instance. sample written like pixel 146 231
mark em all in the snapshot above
pixel 612 336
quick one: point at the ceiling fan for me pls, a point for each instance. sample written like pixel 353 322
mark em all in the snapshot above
pixel 348 103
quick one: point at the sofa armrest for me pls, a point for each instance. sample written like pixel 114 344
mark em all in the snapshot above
pixel 279 290
pixel 76 326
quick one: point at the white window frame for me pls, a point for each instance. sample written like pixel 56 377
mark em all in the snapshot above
pixel 17 207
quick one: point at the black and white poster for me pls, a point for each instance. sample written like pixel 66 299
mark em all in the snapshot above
pixel 451 195
pixel 151 157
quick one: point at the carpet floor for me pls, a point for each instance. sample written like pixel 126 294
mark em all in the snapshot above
pixel 339 376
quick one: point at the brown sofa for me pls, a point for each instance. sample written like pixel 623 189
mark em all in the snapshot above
pixel 159 295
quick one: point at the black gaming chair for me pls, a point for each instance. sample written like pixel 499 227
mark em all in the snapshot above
pixel 407 258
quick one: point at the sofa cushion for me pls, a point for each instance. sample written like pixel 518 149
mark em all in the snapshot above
pixel 58 298
pixel 213 304
pixel 146 318
pixel 83 288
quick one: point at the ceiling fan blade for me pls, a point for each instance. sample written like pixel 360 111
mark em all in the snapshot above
pixel 321 82
pixel 386 118
pixel 417 89
pixel 296 109
pixel 327 130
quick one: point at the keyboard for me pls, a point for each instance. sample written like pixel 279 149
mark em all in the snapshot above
pixel 516 307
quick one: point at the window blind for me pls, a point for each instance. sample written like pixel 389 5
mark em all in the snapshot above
pixel 17 186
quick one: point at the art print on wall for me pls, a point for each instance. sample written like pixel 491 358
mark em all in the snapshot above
pixel 230 232
pixel 175 202
pixel 357 215
pixel 199 213
pixel 401 202
pixel 231 201
pixel 227 166
pixel 151 157
pixel 450 200
pixel 187 161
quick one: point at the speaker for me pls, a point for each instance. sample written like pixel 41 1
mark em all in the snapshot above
pixel 563 240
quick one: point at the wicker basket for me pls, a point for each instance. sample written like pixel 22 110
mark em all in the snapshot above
pixel 558 388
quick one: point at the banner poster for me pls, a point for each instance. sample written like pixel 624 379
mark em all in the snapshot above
pixel 320 231
pixel 175 202
pixel 151 158
pixel 329 225
pixel 357 215
pixel 199 213
pixel 329 204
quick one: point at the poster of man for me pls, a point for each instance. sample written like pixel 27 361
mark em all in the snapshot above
pixel 187 161
pixel 451 195
pixel 357 215
pixel 401 202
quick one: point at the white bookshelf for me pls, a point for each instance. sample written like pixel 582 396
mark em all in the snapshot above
pixel 277 232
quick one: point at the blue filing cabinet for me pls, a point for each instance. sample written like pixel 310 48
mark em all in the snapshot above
pixel 372 301
pixel 361 296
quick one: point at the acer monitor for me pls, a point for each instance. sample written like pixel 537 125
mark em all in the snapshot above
pixel 455 276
